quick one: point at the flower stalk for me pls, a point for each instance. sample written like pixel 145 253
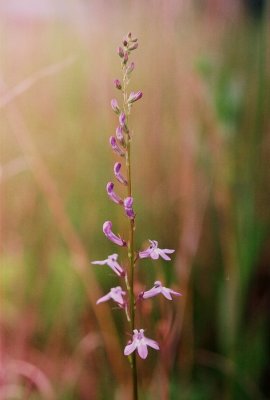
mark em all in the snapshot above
pixel 121 146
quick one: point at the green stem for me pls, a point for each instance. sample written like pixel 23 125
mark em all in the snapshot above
pixel 131 250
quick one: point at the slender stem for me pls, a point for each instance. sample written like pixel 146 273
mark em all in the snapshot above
pixel 131 250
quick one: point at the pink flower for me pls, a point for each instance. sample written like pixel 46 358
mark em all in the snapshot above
pixel 116 294
pixel 107 230
pixel 154 252
pixel 157 289
pixel 140 342
pixel 111 261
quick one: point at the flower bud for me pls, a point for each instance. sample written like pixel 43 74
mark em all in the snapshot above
pixel 119 133
pixel 117 84
pixel 133 46
pixel 125 57
pixel 120 52
pixel 115 106
pixel 130 68
pixel 134 96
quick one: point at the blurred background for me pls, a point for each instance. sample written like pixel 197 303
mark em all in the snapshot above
pixel 201 149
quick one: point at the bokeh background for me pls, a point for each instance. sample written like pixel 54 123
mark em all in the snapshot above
pixel 201 153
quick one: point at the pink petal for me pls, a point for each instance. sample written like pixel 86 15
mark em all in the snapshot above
pixel 163 255
pixel 104 298
pixel 99 262
pixel 142 350
pixel 152 292
pixel 166 293
pixel 151 343
pixel 130 348
pixel 154 255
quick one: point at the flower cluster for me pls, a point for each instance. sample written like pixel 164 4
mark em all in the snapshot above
pixel 120 144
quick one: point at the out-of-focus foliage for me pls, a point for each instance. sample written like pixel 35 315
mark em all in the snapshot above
pixel 201 186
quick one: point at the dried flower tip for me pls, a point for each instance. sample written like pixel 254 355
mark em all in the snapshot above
pixel 117 84
pixel 115 147
pixel 116 294
pixel 111 261
pixel 133 46
pixel 107 230
pixel 112 195
pixel 115 106
pixel 125 42
pixel 154 252
pixel 157 289
pixel 118 175
pixel 134 96
pixel 140 342
pixel 128 205
pixel 120 52
pixel 119 133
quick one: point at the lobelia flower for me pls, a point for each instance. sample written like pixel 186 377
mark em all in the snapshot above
pixel 157 289
pixel 111 261
pixel 107 230
pixel 116 294
pixel 140 342
pixel 128 205
pixel 115 147
pixel 112 195
pixel 135 96
pixel 115 106
pixel 118 175
pixel 154 252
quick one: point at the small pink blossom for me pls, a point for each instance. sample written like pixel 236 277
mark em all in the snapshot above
pixel 140 342
pixel 159 289
pixel 154 252
pixel 111 261
pixel 115 106
pixel 116 294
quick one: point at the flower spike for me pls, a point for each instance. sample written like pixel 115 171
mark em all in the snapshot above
pixel 118 175
pixel 112 195
pixel 159 289
pixel 107 230
pixel 154 252
pixel 140 342
pixel 116 294
pixel 111 261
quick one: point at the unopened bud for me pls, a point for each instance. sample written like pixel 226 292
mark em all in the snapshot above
pixel 117 84
pixel 134 96
pixel 120 52
pixel 115 106
pixel 133 46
